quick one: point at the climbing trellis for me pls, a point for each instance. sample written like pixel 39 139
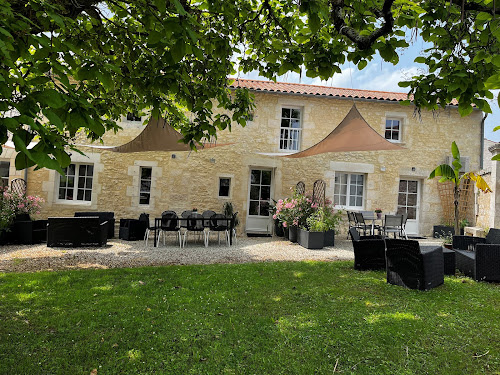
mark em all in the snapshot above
pixel 465 200
pixel 300 188
pixel 319 192
pixel 18 185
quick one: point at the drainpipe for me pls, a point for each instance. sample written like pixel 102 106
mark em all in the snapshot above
pixel 481 152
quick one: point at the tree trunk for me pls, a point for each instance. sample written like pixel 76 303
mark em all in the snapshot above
pixel 456 196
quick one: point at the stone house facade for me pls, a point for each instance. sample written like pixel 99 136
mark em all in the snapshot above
pixel 287 118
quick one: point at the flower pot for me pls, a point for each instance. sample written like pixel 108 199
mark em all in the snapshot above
pixel 292 233
pixel 438 230
pixel 278 229
pixel 448 246
pixel 329 238
pixel 311 240
pixel 379 215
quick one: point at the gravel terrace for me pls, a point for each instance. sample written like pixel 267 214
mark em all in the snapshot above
pixel 120 254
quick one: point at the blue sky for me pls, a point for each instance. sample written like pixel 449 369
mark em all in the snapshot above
pixel 382 76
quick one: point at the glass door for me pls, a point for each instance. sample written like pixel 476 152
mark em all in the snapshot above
pixel 259 199
pixel 409 202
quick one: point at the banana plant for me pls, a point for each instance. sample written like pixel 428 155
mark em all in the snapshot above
pixel 452 173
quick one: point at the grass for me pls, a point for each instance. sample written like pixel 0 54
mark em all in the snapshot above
pixel 263 318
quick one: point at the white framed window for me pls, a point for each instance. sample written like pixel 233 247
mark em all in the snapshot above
pixel 4 173
pixel 290 128
pixel 76 184
pixel 145 185
pixel 349 190
pixel 224 187
pixel 393 129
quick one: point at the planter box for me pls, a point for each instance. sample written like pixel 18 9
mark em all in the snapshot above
pixel 293 233
pixel 278 229
pixel 329 238
pixel 439 229
pixel 311 240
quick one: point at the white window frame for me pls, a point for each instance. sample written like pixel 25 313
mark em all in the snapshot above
pixel 297 130
pixel 400 131
pixel 140 185
pixel 228 196
pixel 348 191
pixel 75 199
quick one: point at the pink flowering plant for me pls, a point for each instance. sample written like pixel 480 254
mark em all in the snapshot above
pixel 12 204
pixel 300 210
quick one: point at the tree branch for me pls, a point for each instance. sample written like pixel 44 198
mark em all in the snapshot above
pixel 363 42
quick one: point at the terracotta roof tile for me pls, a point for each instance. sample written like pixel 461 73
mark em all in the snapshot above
pixel 299 88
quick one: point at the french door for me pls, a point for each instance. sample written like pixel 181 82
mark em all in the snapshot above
pixel 259 200
pixel 409 203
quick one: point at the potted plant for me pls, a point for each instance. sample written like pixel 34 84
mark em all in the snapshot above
pixel 446 239
pixel 378 211
pixel 333 218
pixel 452 174
pixel 444 227
pixel 312 236
pixel 286 213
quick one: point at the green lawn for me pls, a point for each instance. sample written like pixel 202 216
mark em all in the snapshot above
pixel 262 318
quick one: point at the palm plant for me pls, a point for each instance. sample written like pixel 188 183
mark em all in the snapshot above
pixel 448 173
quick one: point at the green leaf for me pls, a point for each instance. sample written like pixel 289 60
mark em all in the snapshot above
pixel 180 9
pixel 52 98
pixel 178 50
pixel 362 64
pixel 465 109
pixel 496 157
pixel 154 37
pixel 420 59
pixel 454 151
pixel 496 128
pixel 443 170
pixel 53 118
pixel 161 5
pixel 314 22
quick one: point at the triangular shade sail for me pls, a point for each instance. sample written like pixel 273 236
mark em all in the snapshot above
pixel 158 135
pixel 352 134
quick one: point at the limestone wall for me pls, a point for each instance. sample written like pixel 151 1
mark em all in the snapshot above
pixel 191 179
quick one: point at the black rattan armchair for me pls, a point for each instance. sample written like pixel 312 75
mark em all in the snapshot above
pixel 369 251
pixel 412 266
pixel 479 257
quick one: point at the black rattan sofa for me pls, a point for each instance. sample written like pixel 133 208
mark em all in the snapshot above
pixel 479 257
pixel 369 251
pixel 76 231
pixel 412 266
pixel 103 216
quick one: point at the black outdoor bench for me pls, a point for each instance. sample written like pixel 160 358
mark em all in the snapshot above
pixel 477 257
pixel 134 229
pixel 76 231
pixel 103 216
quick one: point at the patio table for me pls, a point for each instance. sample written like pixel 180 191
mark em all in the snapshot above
pixel 371 216
pixel 183 221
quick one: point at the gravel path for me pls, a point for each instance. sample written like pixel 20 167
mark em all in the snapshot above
pixel 119 254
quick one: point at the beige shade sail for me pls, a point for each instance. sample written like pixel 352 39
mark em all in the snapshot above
pixel 352 134
pixel 158 135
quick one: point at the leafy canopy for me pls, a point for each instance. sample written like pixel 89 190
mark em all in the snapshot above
pixel 68 66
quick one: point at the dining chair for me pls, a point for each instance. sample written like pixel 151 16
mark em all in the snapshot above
pixel 207 214
pixel 194 224
pixel 218 223
pixel 393 224
pixel 360 223
pixel 169 223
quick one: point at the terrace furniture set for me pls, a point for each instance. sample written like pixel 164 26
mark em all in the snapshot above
pixel 423 267
pixel 193 223
pixel 366 221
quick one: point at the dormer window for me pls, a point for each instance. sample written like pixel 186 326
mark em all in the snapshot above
pixel 291 124
pixel 393 129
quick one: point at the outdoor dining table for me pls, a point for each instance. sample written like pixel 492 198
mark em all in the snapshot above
pixel 183 223
pixel 371 216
